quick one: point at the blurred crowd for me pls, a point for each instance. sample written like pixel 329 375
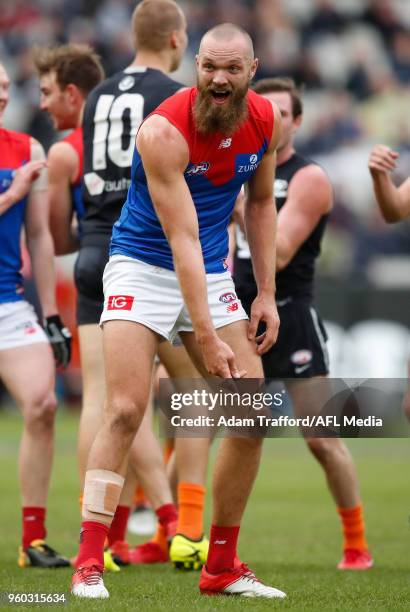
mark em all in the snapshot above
pixel 352 58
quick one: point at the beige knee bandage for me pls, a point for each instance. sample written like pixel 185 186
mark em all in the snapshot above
pixel 102 492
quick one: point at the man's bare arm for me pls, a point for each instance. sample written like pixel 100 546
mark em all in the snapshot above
pixel 164 166
pixel 309 197
pixel 40 246
pixel 260 225
pixel 394 202
pixel 62 169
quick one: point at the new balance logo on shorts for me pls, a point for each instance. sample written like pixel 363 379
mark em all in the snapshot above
pixel 120 302
pixel 232 307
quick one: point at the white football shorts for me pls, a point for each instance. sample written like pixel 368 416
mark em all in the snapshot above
pixel 140 292
pixel 19 325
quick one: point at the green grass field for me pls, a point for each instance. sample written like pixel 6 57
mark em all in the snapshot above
pixel 290 537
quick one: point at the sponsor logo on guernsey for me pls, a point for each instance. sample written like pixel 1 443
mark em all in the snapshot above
pixel 198 169
pixel 225 143
pixel 247 163
pixel 280 188
pixel 120 302
pixel 227 298
pixel 301 357
pixel 126 83
pixel 94 183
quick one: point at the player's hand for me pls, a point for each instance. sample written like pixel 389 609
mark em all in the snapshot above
pixel 382 159
pixel 219 359
pixel 23 178
pixel 60 340
pixel 264 309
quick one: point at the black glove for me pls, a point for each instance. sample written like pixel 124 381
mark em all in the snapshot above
pixel 60 340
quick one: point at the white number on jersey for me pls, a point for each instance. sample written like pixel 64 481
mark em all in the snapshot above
pixel 109 129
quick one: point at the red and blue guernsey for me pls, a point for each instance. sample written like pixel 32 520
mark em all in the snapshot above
pixel 75 139
pixel 218 167
pixel 14 152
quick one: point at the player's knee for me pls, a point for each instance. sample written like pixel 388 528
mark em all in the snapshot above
pixel 126 415
pixel 39 414
pixel 326 449
pixel 248 445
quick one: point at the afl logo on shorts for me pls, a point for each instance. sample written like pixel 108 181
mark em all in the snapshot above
pixel 227 298
pixel 120 302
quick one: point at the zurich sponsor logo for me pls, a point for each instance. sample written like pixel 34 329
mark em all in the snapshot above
pixel 198 169
pixel 227 298
pixel 246 164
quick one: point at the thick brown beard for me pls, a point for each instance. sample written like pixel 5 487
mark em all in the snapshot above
pixel 225 119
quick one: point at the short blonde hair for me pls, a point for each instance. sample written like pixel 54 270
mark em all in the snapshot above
pixel 153 21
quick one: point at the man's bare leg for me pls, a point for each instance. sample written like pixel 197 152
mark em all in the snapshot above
pixel 147 450
pixel 92 371
pixel 28 374
pixel 187 469
pixel 231 487
pixel 128 371
pixel 148 464
pixel 340 472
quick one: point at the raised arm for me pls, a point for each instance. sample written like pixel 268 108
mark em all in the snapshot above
pixel 394 202
pixel 260 225
pixel 309 197
pixel 62 168
pixel 165 155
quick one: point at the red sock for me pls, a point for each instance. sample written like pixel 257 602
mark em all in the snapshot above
pixel 119 525
pixel 222 549
pixel 92 538
pixel 353 527
pixel 33 525
pixel 168 517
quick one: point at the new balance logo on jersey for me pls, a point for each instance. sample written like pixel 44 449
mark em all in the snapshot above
pixel 221 542
pixel 225 143
pixel 120 302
